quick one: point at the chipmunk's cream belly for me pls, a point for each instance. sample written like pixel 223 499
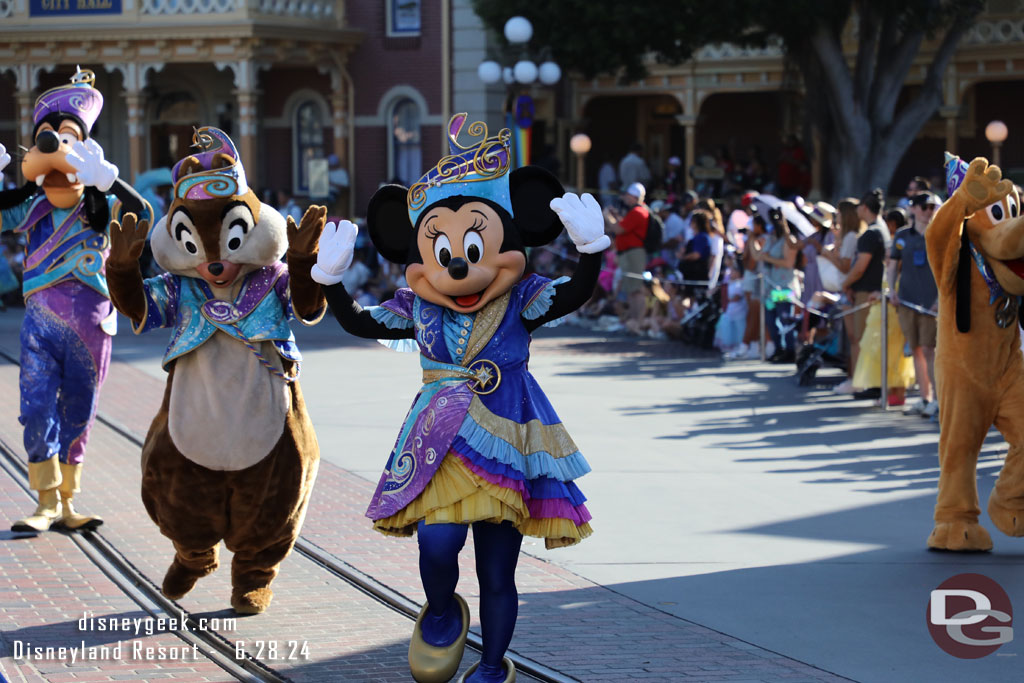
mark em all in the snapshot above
pixel 227 411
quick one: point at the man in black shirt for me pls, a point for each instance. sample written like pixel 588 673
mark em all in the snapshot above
pixel 865 276
pixel 917 287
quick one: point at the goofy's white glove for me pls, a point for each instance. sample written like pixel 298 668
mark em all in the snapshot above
pixel 337 244
pixel 583 220
pixel 93 169
pixel 5 158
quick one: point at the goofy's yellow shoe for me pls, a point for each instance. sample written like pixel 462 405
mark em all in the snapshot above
pixel 47 512
pixel 430 664
pixel 43 477
pixel 70 484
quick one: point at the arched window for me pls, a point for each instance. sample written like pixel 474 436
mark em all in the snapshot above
pixel 404 129
pixel 309 142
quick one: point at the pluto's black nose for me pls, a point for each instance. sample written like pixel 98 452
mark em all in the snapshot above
pixel 458 268
pixel 47 142
pixel 216 268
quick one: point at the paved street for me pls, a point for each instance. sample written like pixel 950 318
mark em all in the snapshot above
pixel 728 496
pixel 745 528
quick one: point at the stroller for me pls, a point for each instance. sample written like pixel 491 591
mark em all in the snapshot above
pixel 829 349
pixel 699 323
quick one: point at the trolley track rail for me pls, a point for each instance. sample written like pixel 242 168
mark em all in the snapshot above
pixel 146 595
pixel 217 648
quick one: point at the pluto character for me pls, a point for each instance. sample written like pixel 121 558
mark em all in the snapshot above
pixel 976 250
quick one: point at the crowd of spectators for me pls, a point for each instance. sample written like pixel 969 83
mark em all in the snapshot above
pixel 819 276
pixel 688 266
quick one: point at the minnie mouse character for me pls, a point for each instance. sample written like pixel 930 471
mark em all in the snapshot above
pixel 481 445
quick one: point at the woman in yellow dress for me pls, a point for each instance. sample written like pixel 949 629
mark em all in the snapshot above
pixel 868 373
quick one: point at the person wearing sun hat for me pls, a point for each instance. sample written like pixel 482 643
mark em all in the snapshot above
pixel 63 211
pixel 820 214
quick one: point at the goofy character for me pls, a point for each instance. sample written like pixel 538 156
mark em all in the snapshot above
pixel 481 446
pixel 64 210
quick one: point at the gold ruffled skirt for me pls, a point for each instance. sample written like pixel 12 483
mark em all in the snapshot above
pixel 456 495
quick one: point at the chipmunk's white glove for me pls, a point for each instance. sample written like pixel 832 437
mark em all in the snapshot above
pixel 583 220
pixel 336 247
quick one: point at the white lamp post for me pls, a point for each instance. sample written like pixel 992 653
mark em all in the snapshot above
pixel 489 72
pixel 524 72
pixel 550 73
pixel 518 30
pixel 995 133
pixel 580 145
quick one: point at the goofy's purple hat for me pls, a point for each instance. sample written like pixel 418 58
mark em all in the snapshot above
pixel 213 181
pixel 78 99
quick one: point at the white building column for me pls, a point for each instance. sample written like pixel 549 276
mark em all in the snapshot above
pixel 247 99
pixel 133 78
pixel 24 75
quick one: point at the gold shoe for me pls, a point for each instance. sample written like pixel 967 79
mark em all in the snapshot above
pixel 510 671
pixel 72 520
pixel 47 512
pixel 71 480
pixel 429 664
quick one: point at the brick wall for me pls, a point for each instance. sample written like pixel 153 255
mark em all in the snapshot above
pixel 379 64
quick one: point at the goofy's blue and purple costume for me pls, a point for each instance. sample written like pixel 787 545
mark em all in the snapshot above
pixel 69 320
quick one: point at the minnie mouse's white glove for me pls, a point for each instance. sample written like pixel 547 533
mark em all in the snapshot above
pixel 583 220
pixel 334 255
pixel 5 158
pixel 93 169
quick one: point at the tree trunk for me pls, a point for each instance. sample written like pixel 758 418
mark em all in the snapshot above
pixel 865 136
pixel 851 160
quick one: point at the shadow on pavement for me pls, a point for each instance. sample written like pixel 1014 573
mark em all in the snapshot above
pixel 860 615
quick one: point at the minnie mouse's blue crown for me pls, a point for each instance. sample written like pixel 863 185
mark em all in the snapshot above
pixel 479 170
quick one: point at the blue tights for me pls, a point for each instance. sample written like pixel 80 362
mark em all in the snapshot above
pixel 497 553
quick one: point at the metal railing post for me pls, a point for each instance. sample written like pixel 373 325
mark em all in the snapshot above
pixel 764 312
pixel 885 350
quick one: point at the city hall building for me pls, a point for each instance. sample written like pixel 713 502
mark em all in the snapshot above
pixel 372 82
pixel 289 80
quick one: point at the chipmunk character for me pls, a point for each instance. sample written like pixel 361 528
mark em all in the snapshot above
pixel 975 247
pixel 64 210
pixel 231 455
pixel 481 446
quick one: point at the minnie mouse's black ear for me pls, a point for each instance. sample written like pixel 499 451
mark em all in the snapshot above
pixel 532 189
pixel 387 219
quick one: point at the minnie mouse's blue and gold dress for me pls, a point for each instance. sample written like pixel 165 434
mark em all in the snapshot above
pixel 481 441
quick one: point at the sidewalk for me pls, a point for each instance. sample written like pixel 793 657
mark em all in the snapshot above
pixel 566 622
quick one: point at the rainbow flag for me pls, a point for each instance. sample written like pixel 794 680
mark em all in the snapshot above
pixel 521 139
